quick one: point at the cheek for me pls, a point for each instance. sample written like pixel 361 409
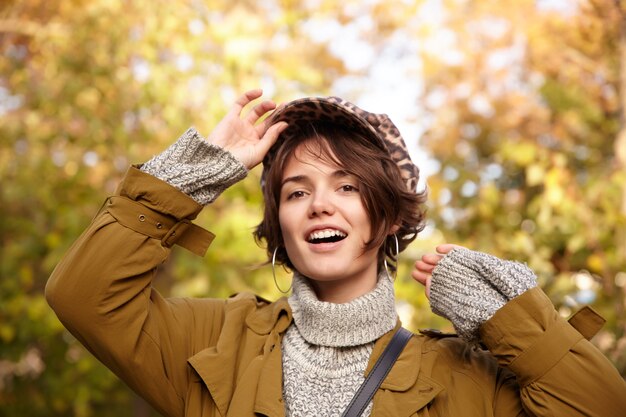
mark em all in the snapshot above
pixel 282 217
pixel 285 221
pixel 362 217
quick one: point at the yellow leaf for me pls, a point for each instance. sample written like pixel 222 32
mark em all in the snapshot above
pixel 522 153
pixel 88 99
pixel 7 333
pixel 535 175
pixel 595 263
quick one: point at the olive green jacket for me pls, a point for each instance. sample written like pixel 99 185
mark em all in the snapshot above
pixel 208 357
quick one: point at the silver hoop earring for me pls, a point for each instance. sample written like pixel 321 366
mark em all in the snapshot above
pixel 274 274
pixel 395 274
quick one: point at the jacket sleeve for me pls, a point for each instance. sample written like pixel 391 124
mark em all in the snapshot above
pixel 558 371
pixel 101 290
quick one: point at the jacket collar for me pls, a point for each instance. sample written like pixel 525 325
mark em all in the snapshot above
pixel 276 316
pixel 273 321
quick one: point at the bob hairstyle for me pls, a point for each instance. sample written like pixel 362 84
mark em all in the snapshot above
pixel 383 192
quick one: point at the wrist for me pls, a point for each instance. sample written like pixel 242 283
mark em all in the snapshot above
pixel 198 168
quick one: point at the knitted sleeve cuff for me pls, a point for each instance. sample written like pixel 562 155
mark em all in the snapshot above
pixel 468 287
pixel 196 167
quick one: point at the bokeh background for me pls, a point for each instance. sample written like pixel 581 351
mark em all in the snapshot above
pixel 514 110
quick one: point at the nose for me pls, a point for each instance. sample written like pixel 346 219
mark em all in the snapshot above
pixel 321 203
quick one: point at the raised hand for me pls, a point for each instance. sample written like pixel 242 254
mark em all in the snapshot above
pixel 241 135
pixel 423 268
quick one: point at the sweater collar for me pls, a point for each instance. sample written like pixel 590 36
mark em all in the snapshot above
pixel 362 320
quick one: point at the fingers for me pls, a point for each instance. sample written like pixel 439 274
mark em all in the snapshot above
pixel 420 276
pixel 245 99
pixel 424 267
pixel 423 278
pixel 270 136
pixel 259 110
pixel 432 259
pixel 446 248
pixel 254 154
pixel 423 270
pixel 264 126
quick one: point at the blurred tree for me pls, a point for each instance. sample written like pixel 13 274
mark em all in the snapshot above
pixel 525 108
pixel 523 105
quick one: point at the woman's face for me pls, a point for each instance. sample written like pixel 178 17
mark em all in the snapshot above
pixel 324 224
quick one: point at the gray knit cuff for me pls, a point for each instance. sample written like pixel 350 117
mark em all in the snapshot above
pixel 468 287
pixel 196 167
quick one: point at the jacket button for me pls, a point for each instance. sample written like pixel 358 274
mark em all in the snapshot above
pixel 142 218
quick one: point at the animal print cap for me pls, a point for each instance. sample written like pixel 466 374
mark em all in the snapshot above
pixel 377 127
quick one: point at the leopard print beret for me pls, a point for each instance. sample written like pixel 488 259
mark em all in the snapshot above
pixel 377 127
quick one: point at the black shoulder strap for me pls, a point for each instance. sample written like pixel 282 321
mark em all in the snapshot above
pixel 378 374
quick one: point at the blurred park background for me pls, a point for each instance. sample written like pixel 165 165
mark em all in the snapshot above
pixel 514 109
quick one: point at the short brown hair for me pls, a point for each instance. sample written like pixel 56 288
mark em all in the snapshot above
pixel 383 192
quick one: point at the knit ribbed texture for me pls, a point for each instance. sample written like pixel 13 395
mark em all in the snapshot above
pixel 319 380
pixel 468 287
pixel 327 348
pixel 339 325
pixel 196 167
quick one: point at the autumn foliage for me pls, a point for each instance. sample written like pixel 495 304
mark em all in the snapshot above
pixel 518 106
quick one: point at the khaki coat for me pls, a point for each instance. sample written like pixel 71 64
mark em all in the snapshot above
pixel 210 357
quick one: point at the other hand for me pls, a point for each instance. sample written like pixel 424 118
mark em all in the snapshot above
pixel 241 136
pixel 423 268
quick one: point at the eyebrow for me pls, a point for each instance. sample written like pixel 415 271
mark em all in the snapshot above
pixel 304 178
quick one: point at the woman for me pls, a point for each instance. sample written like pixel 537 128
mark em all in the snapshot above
pixel 340 203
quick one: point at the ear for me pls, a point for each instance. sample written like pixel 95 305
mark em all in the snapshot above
pixel 393 229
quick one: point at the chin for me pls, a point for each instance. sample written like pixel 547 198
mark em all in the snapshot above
pixel 325 276
pixel 334 273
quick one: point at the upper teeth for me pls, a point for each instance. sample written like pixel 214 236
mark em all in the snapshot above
pixel 326 233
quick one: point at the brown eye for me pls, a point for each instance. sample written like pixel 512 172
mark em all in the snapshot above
pixel 295 194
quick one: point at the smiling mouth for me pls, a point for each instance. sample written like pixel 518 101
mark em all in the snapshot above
pixel 326 236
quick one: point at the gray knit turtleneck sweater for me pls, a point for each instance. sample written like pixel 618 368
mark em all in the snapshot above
pixel 327 348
